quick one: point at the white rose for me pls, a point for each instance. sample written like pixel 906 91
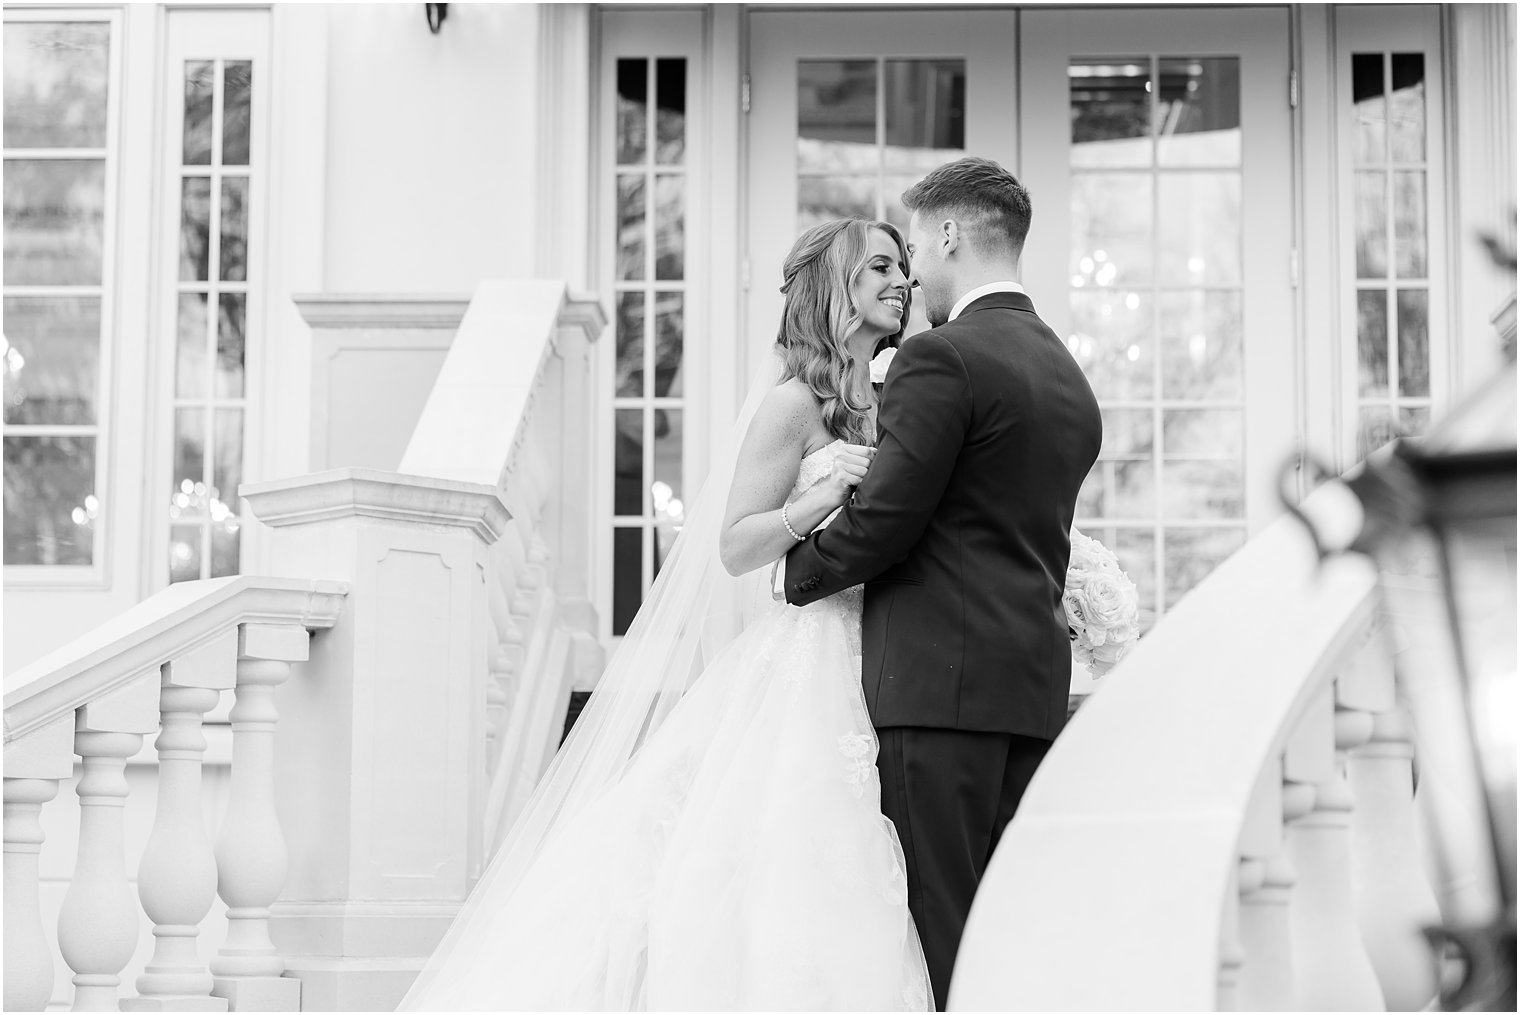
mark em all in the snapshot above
pixel 880 363
pixel 1111 602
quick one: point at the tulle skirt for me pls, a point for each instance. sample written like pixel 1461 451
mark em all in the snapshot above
pixel 742 862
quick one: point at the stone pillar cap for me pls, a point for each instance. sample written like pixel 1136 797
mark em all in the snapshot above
pixel 375 493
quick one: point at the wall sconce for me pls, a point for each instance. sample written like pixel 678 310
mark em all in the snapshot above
pixel 436 13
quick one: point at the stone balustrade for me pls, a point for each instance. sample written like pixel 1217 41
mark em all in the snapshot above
pixel 158 668
pixel 1252 846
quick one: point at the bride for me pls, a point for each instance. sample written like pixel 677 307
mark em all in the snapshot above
pixel 710 836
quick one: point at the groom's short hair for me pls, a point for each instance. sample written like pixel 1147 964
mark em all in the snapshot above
pixel 986 199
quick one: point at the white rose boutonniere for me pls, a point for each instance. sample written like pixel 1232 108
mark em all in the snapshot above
pixel 1102 606
pixel 879 365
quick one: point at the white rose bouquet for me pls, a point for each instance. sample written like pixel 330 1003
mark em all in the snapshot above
pixel 1102 607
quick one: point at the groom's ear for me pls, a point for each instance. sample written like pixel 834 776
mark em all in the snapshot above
pixel 950 236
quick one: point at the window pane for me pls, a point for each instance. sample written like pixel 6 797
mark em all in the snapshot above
pixel 1372 342
pixel 1406 108
pixel 1203 433
pixel 667 490
pixel 1201 342
pixel 200 79
pixel 627 577
pixel 670 111
pixel 628 462
pixel 231 342
pixel 1111 340
pixel 630 212
pixel 1110 112
pixel 925 113
pixel 1377 425
pixel 190 354
pixel 1199 231
pixel 1368 87
pixel 1409 223
pixel 225 548
pixel 237 115
pixel 836 115
pixel 670 227
pixel 1372 224
pixel 664 541
pixel 1136 550
pixel 822 198
pixel 632 110
pixel 1090 503
pixel 1192 553
pixel 234 252
pixel 1131 489
pixel 1127 433
pixel 630 345
pixel 56 80
pixel 184 553
pixel 50 504
pixel 51 358
pixel 195 229
pixel 1198 112
pixel 1203 490
pixel 1111 230
pixel 1414 342
pixel 227 465
pixel 669 332
pixel 54 221
pixel 188 494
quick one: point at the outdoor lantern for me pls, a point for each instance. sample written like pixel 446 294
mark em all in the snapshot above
pixel 1439 522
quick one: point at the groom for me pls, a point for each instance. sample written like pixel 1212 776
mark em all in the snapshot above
pixel 960 532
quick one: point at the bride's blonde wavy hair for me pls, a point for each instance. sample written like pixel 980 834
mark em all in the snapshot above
pixel 820 315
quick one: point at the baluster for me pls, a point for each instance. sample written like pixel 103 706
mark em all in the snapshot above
pixel 1267 982
pixel 1335 973
pixel 98 922
pixel 1231 953
pixel 35 763
pixel 250 851
pixel 28 959
pixel 1394 900
pixel 177 877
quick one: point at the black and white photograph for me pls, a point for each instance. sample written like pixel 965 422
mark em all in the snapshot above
pixel 847 506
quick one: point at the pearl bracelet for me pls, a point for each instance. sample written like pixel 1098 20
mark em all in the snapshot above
pixel 790 531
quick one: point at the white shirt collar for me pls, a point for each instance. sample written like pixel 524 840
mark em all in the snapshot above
pixel 980 291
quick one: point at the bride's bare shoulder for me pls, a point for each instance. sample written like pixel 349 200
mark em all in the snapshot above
pixel 788 417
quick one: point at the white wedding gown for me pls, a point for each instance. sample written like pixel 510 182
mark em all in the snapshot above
pixel 741 862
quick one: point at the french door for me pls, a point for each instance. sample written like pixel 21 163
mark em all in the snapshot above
pixel 1156 145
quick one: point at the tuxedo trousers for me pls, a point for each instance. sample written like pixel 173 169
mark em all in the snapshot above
pixel 950 793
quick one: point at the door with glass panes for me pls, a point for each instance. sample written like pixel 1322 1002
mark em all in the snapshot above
pixel 1156 148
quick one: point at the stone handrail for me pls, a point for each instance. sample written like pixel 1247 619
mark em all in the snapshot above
pixel 494 421
pixel 1228 821
pixel 159 667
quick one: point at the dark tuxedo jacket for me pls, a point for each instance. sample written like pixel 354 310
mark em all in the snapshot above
pixel 960 531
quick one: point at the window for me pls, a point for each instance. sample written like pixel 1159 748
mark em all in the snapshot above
pixel 214 179
pixel 650 294
pixel 867 130
pixel 1390 175
pixel 60 159
pixel 1155 287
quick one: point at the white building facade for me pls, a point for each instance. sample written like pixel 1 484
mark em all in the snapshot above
pixel 238 239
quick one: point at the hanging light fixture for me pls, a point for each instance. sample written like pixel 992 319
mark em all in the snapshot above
pixel 1439 522
pixel 436 13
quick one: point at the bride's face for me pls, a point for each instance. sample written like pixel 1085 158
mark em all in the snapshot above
pixel 880 288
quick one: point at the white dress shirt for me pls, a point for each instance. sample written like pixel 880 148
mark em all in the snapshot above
pixel 980 291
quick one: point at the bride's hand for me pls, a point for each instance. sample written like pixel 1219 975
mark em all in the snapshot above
pixel 851 462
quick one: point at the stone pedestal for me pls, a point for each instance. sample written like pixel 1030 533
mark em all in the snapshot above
pixel 380 749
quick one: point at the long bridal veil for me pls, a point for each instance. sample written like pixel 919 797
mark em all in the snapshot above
pixel 693 611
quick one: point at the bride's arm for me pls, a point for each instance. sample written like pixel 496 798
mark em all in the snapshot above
pixel 753 534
